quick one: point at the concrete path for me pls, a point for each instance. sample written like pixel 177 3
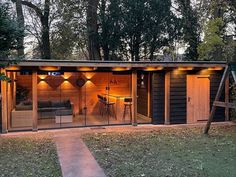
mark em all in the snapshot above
pixel 75 158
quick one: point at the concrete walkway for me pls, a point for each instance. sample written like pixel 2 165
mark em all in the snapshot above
pixel 75 158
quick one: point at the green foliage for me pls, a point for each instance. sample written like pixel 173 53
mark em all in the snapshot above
pixel 190 28
pixel 213 40
pixel 9 32
pixel 135 30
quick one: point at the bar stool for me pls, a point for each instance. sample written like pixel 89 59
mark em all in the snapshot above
pixel 109 107
pixel 100 104
pixel 127 105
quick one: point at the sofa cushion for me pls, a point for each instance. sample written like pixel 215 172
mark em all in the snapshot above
pixel 64 112
pixel 44 104
pixel 21 107
pixel 27 103
pixel 57 104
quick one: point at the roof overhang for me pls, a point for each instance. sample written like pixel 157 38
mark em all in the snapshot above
pixel 111 64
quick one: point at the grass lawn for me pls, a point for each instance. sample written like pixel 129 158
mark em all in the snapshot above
pixel 29 156
pixel 166 152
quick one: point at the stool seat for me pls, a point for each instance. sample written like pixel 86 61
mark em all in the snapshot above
pixel 127 104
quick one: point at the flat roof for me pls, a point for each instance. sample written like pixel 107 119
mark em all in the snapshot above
pixel 133 64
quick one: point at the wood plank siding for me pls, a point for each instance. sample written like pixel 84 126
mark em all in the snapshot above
pixel 158 98
pixel 178 92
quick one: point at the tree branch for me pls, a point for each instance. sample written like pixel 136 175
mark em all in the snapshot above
pixel 31 5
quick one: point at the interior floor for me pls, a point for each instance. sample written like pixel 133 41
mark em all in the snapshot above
pixel 89 120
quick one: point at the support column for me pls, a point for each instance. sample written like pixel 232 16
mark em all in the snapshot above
pixel 227 98
pixel 134 98
pixel 35 100
pixel 9 99
pixel 4 103
pixel 167 98
pixel 149 95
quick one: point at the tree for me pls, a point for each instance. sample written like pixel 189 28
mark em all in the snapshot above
pixel 92 30
pixel 190 26
pixel 43 15
pixel 68 30
pixel 20 20
pixel 212 41
pixel 218 43
pixel 9 33
pixel 135 30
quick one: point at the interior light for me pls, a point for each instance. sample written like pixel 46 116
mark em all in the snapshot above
pixel 49 68
pixel 121 68
pixel 215 68
pixel 185 68
pixel 86 68
pixel 153 68
pixel 13 68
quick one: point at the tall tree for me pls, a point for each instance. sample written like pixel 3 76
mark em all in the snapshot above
pixel 92 30
pixel 9 33
pixel 20 20
pixel 190 25
pixel 43 15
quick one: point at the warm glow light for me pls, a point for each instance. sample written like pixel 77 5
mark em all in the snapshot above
pixel 13 68
pixel 67 75
pixel 185 68
pixel 49 68
pixel 153 68
pixel 120 68
pixel 86 68
pixel 215 68
pixel 89 75
pixel 42 77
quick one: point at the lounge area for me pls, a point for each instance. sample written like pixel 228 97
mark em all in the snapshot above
pixel 73 99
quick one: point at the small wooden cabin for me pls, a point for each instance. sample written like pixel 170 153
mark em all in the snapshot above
pixel 45 94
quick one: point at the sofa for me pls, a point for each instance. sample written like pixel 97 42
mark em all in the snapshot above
pixel 46 109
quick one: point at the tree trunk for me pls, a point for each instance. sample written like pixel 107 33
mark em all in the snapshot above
pixel 45 47
pixel 20 20
pixel 92 30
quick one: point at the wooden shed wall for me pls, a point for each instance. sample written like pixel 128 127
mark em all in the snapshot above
pixel 178 92
pixel 158 98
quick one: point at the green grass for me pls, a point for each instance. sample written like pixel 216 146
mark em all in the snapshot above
pixel 29 156
pixel 166 152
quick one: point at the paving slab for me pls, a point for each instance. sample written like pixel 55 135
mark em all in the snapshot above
pixel 75 158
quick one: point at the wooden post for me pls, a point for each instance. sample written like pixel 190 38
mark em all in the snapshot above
pixel 149 95
pixel 167 98
pixel 9 99
pixel 4 103
pixel 134 98
pixel 35 101
pixel 14 90
pixel 227 98
pixel 217 98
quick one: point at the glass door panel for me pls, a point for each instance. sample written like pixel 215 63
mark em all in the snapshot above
pixel 19 100
pixel 143 89
pixel 49 100
pixel 96 100
pixel 73 97
pixel 120 97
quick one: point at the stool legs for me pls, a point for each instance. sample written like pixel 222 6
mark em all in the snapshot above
pixel 130 111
